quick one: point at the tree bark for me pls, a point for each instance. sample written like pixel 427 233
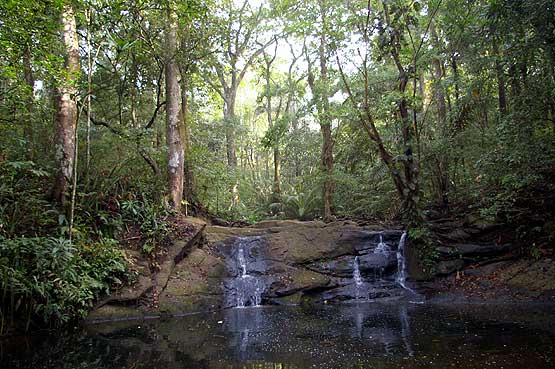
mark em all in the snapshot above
pixel 441 165
pixel 275 139
pixel 173 119
pixel 321 96
pixel 500 74
pixel 230 121
pixel 66 108
pixel 28 124
pixel 188 176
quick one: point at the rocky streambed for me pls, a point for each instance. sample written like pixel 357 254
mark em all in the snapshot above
pixel 269 263
pixel 293 262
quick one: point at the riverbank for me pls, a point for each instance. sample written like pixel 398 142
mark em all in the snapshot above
pixel 313 262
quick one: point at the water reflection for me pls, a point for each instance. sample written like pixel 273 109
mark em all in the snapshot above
pixel 347 336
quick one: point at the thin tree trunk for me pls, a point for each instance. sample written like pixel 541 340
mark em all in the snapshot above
pixel 28 124
pixel 275 141
pixel 321 95
pixel 441 160
pixel 188 180
pixel 455 69
pixel 500 74
pixel 173 119
pixel 89 86
pixel 229 121
pixel 66 112
pixel 551 94
pixel 277 174
pixel 267 164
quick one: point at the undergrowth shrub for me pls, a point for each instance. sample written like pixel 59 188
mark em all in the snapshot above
pixel 50 281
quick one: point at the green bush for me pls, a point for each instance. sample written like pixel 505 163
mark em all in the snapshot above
pixel 24 208
pixel 49 281
pixel 428 254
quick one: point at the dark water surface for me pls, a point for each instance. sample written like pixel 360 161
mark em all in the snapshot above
pixel 370 335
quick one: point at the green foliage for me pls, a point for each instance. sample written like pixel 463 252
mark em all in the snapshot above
pixel 49 281
pixel 421 238
pixel 150 219
pixel 24 208
pixel 301 201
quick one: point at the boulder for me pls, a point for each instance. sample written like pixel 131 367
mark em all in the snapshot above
pixel 195 284
pixel 295 280
pixel 467 249
pixel 446 267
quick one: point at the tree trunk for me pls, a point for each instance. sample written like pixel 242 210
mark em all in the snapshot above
pixel 327 162
pixel 500 74
pixel 28 124
pixel 441 160
pixel 275 141
pixel 551 95
pixel 325 121
pixel 89 92
pixel 188 180
pixel 66 109
pixel 173 119
pixel 410 185
pixel 230 121
pixel 277 174
pixel 455 69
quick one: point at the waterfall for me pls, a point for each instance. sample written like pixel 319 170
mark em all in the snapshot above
pixel 356 272
pixel 242 262
pixel 360 288
pixel 382 247
pixel 245 289
pixel 401 262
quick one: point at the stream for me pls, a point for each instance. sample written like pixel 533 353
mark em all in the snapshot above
pixel 355 335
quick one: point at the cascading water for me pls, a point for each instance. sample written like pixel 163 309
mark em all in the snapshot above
pixel 382 247
pixel 377 270
pixel 381 271
pixel 359 282
pixel 242 262
pixel 244 289
pixel 356 272
pixel 401 262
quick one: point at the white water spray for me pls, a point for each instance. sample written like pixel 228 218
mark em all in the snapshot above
pixel 401 262
pixel 242 262
pixel 382 247
pixel 247 288
pixel 356 272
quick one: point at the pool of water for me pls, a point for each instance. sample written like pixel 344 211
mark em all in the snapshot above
pixel 370 335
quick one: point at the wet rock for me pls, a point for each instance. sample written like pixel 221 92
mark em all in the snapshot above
pixel 466 249
pixel 377 262
pixel 379 290
pixel 457 235
pixel 486 269
pixel 449 266
pixel 143 283
pixel 277 262
pixel 338 267
pixel 295 280
pixel 195 284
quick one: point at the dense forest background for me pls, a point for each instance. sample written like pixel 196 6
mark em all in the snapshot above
pixel 116 115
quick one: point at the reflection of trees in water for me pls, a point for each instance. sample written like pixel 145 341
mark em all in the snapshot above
pixel 320 336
